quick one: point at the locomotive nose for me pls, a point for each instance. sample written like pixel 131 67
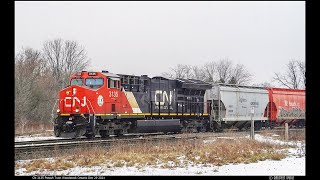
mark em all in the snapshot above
pixel 73 100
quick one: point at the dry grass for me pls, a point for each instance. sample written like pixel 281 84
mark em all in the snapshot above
pixel 42 164
pixel 35 129
pixel 165 154
pixel 299 135
pixel 267 132
pixel 294 134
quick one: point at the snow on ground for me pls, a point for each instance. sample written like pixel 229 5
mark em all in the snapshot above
pixel 34 138
pixel 261 138
pixel 293 165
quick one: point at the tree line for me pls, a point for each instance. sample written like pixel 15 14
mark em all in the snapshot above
pixel 222 71
pixel 225 71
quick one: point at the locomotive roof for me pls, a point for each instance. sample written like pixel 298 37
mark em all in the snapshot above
pixel 194 84
pixel 161 77
pixel 110 75
pixel 192 81
pixel 128 75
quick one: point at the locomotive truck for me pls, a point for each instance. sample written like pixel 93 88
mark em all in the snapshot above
pixel 103 103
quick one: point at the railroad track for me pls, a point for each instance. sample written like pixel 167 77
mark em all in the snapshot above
pixel 84 139
pixel 18 143
pixel 36 142
pixel 25 151
pixel 65 145
pixel 77 140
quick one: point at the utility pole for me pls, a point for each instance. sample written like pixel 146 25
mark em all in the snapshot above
pixel 252 124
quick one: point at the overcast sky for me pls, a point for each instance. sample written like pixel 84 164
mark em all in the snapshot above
pixel 150 37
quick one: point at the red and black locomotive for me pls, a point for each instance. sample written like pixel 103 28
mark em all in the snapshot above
pixel 115 104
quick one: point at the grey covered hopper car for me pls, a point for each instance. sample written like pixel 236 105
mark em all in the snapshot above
pixel 232 105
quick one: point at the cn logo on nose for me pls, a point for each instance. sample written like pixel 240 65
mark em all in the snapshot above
pixel 69 101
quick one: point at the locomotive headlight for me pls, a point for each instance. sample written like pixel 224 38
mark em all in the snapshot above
pixel 74 91
pixel 58 110
pixel 77 110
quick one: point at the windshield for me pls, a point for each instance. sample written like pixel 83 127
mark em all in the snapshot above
pixel 76 81
pixel 94 82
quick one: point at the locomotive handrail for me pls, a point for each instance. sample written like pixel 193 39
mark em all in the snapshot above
pixel 91 107
pixel 94 121
pixel 88 108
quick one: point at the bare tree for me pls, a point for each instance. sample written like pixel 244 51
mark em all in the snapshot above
pixel 28 68
pixel 179 71
pixel 292 77
pixel 75 58
pixel 64 58
pixel 49 95
pixel 22 122
pixel 210 71
pixel 239 75
pixel 302 69
pixel 197 73
pixel 53 54
pixel 224 70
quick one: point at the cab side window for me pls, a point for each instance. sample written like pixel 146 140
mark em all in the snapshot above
pixel 113 83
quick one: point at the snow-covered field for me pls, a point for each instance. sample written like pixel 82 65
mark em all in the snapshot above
pixel 293 165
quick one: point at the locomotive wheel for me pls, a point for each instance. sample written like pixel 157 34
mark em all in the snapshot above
pixel 90 136
pixel 57 131
pixel 77 133
pixel 118 133
pixel 103 134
